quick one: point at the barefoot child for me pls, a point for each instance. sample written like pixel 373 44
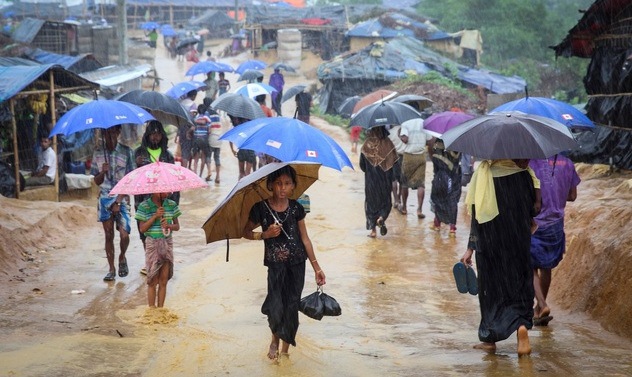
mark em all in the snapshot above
pixel 286 247
pixel 158 217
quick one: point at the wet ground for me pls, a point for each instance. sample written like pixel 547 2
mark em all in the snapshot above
pixel 401 312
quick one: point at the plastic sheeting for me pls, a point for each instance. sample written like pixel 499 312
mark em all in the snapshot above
pixel 382 63
pixel 14 79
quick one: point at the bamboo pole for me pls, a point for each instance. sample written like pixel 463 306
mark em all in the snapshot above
pixel 46 91
pixel 53 118
pixel 16 158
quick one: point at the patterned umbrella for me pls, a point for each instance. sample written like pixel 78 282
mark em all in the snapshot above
pixel 158 177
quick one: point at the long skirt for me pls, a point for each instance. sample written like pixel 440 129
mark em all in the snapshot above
pixel 158 251
pixel 285 286
pixel 503 260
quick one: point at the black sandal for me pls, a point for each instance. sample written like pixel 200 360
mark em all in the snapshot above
pixel 110 276
pixel 382 226
pixel 123 269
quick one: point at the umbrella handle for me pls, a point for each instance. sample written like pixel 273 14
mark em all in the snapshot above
pixel 166 232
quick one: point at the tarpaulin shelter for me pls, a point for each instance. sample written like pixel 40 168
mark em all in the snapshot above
pixel 216 21
pixel 604 34
pixel 383 63
pixel 392 25
pixel 20 87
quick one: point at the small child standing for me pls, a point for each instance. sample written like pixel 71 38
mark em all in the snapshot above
pixel 354 135
pixel 158 217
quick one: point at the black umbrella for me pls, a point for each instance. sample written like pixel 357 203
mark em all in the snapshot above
pixel 346 107
pixel 421 101
pixel 164 108
pixel 291 92
pixel 250 75
pixel 238 106
pixel 384 113
pixel 186 42
pixel 511 134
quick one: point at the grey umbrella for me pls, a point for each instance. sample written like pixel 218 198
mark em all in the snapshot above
pixel 164 108
pixel 510 135
pixel 238 106
pixel 250 75
pixel 283 66
pixel 384 113
pixel 421 101
pixel 346 107
pixel 291 92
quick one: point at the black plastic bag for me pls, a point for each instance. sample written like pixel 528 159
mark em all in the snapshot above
pixel 318 304
pixel 331 306
pixel 312 306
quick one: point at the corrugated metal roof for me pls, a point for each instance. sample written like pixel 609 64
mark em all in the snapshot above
pixel 15 79
pixel 115 75
pixel 27 30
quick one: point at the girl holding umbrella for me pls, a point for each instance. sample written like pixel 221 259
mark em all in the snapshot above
pixel 287 245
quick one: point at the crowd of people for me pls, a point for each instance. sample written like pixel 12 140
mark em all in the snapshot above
pixel 516 207
pixel 517 212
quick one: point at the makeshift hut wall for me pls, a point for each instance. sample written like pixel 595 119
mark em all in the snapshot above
pixel 51 37
pixel 99 41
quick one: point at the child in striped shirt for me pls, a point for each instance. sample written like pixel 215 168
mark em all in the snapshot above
pixel 158 217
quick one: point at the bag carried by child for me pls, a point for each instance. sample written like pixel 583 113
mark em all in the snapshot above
pixel 319 304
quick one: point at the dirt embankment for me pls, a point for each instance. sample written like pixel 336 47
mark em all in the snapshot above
pixel 594 276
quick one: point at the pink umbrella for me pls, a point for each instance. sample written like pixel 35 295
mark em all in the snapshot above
pixel 158 177
pixel 437 124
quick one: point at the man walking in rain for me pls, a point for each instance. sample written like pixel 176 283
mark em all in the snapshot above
pixel 558 185
pixel 277 82
pixel 109 166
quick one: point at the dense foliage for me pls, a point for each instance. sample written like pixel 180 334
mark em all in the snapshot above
pixel 517 35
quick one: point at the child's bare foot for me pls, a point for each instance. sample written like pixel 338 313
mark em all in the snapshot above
pixel 487 347
pixel 524 348
pixel 373 234
pixel 273 351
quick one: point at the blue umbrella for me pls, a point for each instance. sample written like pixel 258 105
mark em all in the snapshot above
pixel 255 89
pixel 549 108
pixel 182 88
pixel 250 64
pixel 100 114
pixel 167 30
pixel 149 25
pixel 207 66
pixel 226 67
pixel 288 139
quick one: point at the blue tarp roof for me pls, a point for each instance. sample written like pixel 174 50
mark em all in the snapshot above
pixel 46 57
pixel 14 79
pixel 66 61
pixel 410 27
